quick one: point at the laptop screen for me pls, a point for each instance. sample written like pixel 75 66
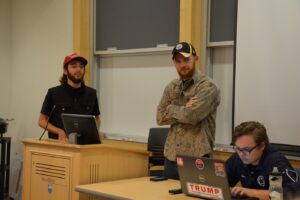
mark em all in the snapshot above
pixel 82 127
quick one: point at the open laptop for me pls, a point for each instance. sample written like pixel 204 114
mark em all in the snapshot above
pixel 204 177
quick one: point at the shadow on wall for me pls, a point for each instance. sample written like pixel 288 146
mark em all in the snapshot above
pixel 15 187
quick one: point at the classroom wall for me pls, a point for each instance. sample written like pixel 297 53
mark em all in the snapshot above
pixel 5 58
pixel 267 67
pixel 222 73
pixel 39 35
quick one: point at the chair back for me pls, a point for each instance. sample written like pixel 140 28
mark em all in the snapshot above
pixel 156 142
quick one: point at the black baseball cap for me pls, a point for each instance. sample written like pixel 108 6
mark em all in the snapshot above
pixel 185 49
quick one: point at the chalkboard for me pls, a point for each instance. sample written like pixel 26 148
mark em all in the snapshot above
pixel 222 20
pixel 134 24
pixel 130 89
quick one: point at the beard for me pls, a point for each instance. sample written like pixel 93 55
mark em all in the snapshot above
pixel 187 75
pixel 75 79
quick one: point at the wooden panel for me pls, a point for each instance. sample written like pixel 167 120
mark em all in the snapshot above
pixel 111 164
pixel 82 33
pixel 55 191
pixel 54 168
pixel 295 164
pixel 191 25
pixel 128 144
pixel 225 155
pixel 221 155
pixel 50 177
pixel 81 164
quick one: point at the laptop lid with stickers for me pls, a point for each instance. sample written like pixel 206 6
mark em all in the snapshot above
pixel 203 177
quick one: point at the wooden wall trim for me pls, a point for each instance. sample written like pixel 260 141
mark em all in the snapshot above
pixel 82 33
pixel 191 25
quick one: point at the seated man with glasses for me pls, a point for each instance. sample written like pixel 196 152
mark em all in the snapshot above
pixel 253 161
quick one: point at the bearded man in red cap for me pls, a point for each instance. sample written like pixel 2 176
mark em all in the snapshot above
pixel 71 96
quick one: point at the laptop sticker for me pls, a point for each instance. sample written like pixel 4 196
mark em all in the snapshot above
pixel 202 178
pixel 179 161
pixel 219 169
pixel 199 164
pixel 205 191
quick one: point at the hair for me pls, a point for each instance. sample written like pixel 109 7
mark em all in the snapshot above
pixel 252 128
pixel 64 79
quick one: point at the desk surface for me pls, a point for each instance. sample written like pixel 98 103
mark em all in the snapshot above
pixel 137 188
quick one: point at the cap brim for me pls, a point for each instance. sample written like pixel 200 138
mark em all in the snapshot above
pixel 186 55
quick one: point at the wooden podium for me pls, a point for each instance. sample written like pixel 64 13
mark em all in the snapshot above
pixel 52 169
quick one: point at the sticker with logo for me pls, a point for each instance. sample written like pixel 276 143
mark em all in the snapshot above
pixel 261 181
pixel 178 46
pixel 202 178
pixel 199 163
pixel 50 188
pixel 179 161
pixel 219 169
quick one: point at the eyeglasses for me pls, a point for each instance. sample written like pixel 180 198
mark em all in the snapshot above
pixel 245 151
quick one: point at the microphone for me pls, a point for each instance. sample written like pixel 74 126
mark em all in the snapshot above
pixel 53 108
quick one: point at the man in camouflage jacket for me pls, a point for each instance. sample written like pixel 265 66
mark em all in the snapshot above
pixel 189 105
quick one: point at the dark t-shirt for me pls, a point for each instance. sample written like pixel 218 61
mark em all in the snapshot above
pixel 257 177
pixel 67 99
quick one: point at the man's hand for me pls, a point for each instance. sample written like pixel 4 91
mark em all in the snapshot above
pixel 239 191
pixel 247 192
pixel 191 101
pixel 62 136
pixel 167 119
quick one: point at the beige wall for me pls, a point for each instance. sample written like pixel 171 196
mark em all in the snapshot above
pixel 37 34
pixel 5 58
pixel 41 37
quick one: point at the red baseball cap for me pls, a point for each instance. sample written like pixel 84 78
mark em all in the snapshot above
pixel 74 56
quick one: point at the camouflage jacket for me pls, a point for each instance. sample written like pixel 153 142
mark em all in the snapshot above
pixel 192 130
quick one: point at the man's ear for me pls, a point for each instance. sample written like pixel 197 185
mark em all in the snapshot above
pixel 65 71
pixel 263 146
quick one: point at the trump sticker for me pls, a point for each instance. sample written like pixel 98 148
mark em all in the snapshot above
pixel 206 191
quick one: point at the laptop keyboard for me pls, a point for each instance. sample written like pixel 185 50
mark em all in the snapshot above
pixel 243 198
